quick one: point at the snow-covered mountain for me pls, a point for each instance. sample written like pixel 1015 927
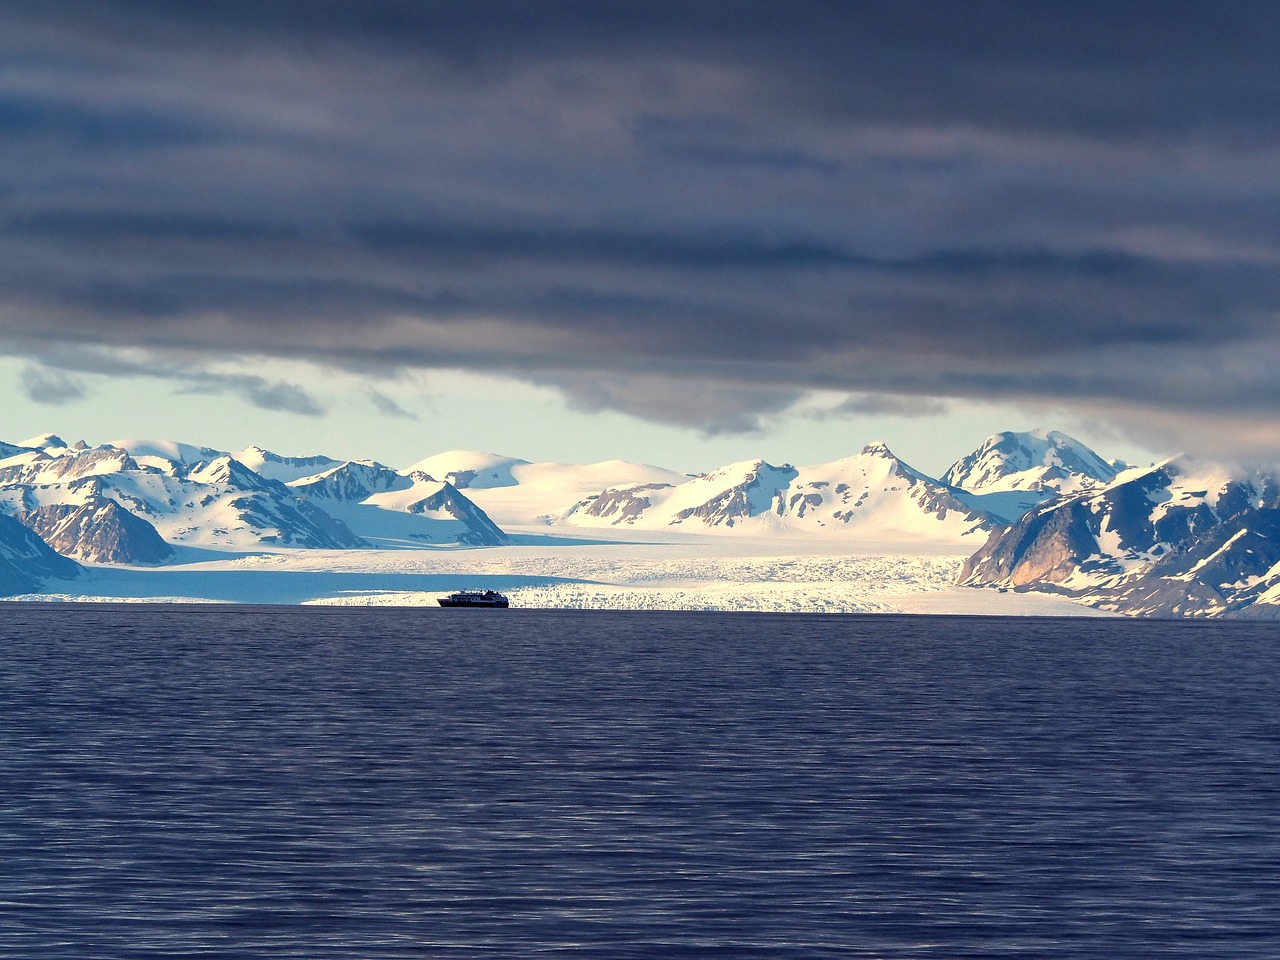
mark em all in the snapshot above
pixel 46 442
pixel 193 494
pixel 519 495
pixel 273 466
pixel 97 531
pixel 161 453
pixel 472 469
pixel 27 562
pixel 1182 538
pixel 218 503
pixel 872 496
pixel 131 502
pixel 387 507
pixel 1014 472
pixel 1036 460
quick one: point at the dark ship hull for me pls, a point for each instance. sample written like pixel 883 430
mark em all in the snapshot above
pixel 474 598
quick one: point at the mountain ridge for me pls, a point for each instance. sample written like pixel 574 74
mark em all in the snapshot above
pixel 1035 512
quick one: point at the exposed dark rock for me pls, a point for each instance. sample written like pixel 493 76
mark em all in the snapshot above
pixel 100 531
pixel 755 494
pixel 1043 546
pixel 1147 546
pixel 625 505
pixel 480 530
pixel 353 482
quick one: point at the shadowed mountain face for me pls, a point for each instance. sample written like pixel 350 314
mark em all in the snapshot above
pixel 1182 539
pixel 26 561
pixel 98 531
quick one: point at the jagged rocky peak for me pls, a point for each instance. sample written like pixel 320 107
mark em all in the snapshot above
pixel 448 502
pixel 226 470
pixel 753 487
pixel 1035 460
pixel 84 462
pixel 353 481
pixel 97 531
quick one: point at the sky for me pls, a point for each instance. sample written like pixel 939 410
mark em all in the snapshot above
pixel 683 233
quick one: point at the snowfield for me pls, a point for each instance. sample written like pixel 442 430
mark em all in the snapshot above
pixel 675 576
pixel 864 533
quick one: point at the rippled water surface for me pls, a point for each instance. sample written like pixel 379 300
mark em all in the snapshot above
pixel 302 782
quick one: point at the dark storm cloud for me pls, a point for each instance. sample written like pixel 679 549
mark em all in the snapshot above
pixel 886 404
pixel 690 212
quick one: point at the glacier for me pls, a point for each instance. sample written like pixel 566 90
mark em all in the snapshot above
pixel 1031 522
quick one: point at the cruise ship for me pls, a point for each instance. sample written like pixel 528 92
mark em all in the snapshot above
pixel 474 598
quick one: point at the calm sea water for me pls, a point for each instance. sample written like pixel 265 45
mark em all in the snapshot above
pixel 301 782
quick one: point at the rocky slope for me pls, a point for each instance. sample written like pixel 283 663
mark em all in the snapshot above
pixel 385 506
pixel 219 502
pixel 873 496
pixel 27 562
pixel 1182 538
pixel 97 531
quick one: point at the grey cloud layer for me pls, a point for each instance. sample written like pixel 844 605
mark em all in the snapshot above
pixel 692 212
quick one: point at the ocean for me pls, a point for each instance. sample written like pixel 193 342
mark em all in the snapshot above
pixel 182 781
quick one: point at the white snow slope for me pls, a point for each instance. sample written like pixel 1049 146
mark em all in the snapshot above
pixel 864 533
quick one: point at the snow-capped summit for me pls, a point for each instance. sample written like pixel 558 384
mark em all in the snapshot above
pixel 731 494
pixel 228 471
pixel 46 441
pixel 162 454
pixel 516 493
pixel 871 497
pixel 396 509
pixel 470 469
pixel 213 503
pixel 273 466
pixel 64 465
pixel 1039 461
pixel 354 481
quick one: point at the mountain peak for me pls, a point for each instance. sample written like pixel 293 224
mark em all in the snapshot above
pixel 878 448
pixel 1038 459
pixel 45 441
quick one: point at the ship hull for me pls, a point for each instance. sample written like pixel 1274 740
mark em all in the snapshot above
pixel 481 602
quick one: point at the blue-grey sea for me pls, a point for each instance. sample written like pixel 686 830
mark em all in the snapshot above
pixel 185 781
